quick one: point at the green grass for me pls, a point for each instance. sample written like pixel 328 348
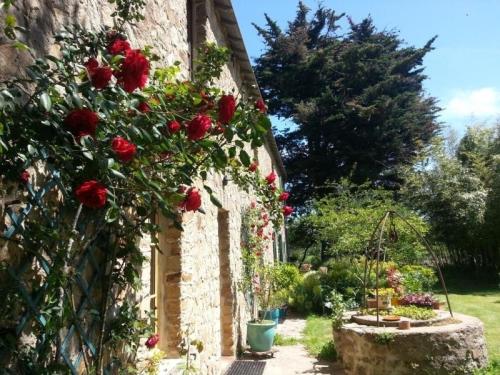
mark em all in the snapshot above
pixel 280 340
pixel 485 305
pixel 318 338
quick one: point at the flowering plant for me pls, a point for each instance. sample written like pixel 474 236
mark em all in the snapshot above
pixel 125 139
pixel 418 299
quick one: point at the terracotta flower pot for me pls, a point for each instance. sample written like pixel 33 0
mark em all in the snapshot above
pixel 404 324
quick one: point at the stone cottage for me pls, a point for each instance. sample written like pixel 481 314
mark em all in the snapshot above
pixel 192 282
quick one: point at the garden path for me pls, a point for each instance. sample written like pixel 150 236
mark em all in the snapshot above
pixel 294 359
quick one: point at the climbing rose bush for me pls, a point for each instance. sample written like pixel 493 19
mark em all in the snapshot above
pixel 127 139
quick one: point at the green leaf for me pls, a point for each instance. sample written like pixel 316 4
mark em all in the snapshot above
pixel 215 201
pixel 219 157
pixel 118 174
pixel 10 21
pixel 20 46
pixel 112 214
pixel 245 158
pixel 45 101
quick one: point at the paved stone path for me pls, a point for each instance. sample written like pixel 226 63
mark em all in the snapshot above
pixel 294 359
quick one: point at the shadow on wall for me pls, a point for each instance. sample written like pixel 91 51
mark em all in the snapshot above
pixel 41 19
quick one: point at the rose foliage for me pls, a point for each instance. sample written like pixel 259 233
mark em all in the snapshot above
pixel 125 139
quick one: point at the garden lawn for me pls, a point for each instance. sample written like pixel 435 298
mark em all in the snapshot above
pixel 318 337
pixel 484 304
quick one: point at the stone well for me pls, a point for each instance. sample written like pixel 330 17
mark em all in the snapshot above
pixel 455 346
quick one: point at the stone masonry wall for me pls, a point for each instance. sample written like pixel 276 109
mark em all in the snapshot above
pixel 453 349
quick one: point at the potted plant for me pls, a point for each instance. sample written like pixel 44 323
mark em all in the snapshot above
pixel 261 330
pixel 384 298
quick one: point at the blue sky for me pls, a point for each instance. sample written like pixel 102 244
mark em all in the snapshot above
pixel 463 70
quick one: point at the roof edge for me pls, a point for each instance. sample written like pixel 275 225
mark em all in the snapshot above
pixel 237 46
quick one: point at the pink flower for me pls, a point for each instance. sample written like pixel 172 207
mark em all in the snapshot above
pixel 253 167
pixel 192 201
pixel 260 105
pixel 174 126
pixel 271 177
pixel 152 341
pixel 119 47
pixel 144 107
pixel 134 71
pixel 287 210
pixel 198 127
pixel 284 196
pixel 91 194
pixel 227 107
pixel 82 122
pixel 124 150
pixel 25 177
pixel 99 76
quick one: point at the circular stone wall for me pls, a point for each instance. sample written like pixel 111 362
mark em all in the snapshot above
pixel 455 348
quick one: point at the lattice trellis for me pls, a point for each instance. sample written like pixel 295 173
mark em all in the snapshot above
pixel 79 335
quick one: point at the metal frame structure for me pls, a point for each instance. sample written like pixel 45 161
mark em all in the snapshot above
pixel 375 251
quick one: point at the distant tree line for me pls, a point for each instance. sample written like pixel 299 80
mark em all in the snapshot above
pixel 364 122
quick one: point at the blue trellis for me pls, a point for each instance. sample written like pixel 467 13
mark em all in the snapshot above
pixel 89 271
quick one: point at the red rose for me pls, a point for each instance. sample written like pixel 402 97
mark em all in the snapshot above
pixel 287 210
pixel 198 127
pixel 119 47
pixel 253 167
pixel 271 177
pixel 144 107
pixel 284 196
pixel 91 194
pixel 192 201
pixel 134 71
pixel 174 126
pixel 91 64
pixel 260 105
pixel 81 122
pixel 99 76
pixel 124 149
pixel 25 177
pixel 227 107
pixel 152 341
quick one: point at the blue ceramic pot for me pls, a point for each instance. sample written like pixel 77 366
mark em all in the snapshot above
pixel 273 315
pixel 282 313
pixel 260 335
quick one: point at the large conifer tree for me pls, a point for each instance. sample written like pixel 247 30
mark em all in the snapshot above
pixel 357 100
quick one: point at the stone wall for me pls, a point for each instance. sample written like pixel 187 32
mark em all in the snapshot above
pixel 189 274
pixel 452 349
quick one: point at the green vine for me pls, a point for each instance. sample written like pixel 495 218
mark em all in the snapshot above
pixel 123 142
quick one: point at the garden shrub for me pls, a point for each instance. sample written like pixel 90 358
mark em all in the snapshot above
pixel 309 294
pixel 418 278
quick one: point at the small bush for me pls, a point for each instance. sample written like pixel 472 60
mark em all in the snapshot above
pixel 384 338
pixel 414 312
pixel 308 294
pixel 417 279
pixel 328 352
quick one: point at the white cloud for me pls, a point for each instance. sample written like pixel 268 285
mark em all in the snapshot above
pixel 480 103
